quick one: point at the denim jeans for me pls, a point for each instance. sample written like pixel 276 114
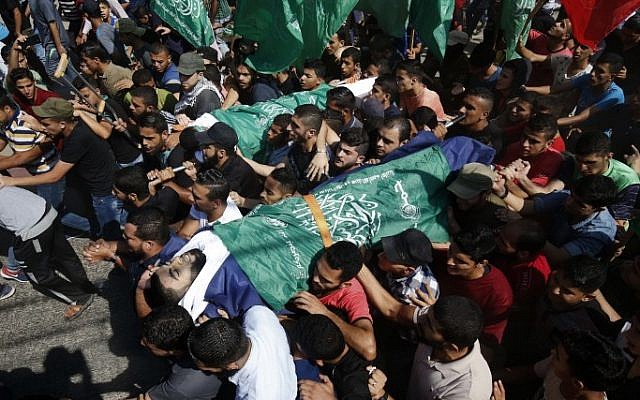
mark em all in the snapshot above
pixel 108 212
pixel 53 193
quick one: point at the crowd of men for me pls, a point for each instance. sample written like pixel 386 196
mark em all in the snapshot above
pixel 535 295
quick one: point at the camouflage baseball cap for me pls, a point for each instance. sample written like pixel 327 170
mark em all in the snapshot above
pixel 54 107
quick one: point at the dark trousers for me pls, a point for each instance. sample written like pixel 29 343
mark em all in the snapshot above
pixel 49 252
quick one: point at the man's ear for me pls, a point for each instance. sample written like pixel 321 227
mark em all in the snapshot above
pixel 361 159
pixel 451 347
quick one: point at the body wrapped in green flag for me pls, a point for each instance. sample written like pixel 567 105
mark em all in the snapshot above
pixel 276 245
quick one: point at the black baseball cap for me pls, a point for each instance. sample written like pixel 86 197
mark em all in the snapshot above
pixel 219 134
pixel 410 247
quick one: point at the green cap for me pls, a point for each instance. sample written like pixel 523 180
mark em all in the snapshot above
pixel 190 63
pixel 54 107
pixel 127 25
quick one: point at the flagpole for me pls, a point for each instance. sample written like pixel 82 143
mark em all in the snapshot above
pixel 532 14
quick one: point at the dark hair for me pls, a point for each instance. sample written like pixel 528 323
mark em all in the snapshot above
pixel 528 97
pixel 217 184
pixel 132 179
pixel 594 359
pixel 167 327
pixel 286 178
pixel 633 23
pixel 343 97
pixel 532 235
pixel 20 73
pixel 592 143
pixel 546 105
pixel 584 273
pixel 344 256
pixel 318 337
pixel 400 124
pixel 595 190
pixel 78 83
pixel 544 123
pixel 95 50
pixel 355 137
pixel 154 120
pixel 212 74
pixel 477 243
pixel 413 69
pixel 388 85
pixel 157 48
pixel 482 56
pixel 188 139
pixel 7 101
pixel 424 116
pixel 460 320
pixel 148 95
pixel 351 52
pixel 158 295
pixel 218 342
pixel 150 223
pixel 482 93
pixel 141 76
pixel 380 43
pixel 282 120
pixel 317 66
pixel 615 61
pixel 310 115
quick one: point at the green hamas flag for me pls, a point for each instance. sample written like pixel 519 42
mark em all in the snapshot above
pixel 512 21
pixel 276 245
pixel 288 31
pixel 188 17
pixel 432 18
pixel 252 122
pixel 392 20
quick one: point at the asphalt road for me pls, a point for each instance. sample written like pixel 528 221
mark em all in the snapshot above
pixel 97 356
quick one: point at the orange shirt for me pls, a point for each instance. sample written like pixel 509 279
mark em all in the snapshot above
pixel 427 98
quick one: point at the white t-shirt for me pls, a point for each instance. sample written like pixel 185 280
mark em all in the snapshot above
pixel 269 373
pixel 231 213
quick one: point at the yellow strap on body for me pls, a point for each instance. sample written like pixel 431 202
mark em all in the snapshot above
pixel 321 222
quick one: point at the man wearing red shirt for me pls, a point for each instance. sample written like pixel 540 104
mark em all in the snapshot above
pixel 533 151
pixel 27 94
pixel 554 42
pixel 334 289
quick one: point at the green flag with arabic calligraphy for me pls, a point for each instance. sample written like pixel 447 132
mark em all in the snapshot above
pixel 275 245
pixel 188 17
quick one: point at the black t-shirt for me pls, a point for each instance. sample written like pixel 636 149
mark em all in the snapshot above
pixel 175 159
pixel 124 147
pixel 93 160
pixel 299 161
pixel 241 177
pixel 167 200
pixel 491 135
pixel 350 377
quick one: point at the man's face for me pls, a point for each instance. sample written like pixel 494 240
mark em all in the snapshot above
pixel 187 82
pixel 601 75
pixel 429 330
pixel 297 129
pixel 533 143
pixel 89 96
pixel 459 263
pixel 325 279
pixel 581 53
pixel 347 67
pixel 560 29
pixel 474 109
pixel 243 76
pixel 309 79
pixel 177 274
pixel 275 133
pixel 470 204
pixel 92 64
pixel 561 294
pixel 347 156
pixel 160 62
pixel 372 71
pixel 27 88
pixel 271 191
pixel 334 44
pixel 52 127
pixel 152 141
pixel 592 164
pixel 134 242
pixel 404 81
pixel 521 111
pixel 577 208
pixel 378 94
pixel 505 80
pixel 104 12
pixel 6 114
pixel 137 106
pixel 200 199
pixel 388 141
pixel 210 152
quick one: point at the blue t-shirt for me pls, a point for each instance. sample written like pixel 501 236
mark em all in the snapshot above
pixel 590 236
pixel 602 102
